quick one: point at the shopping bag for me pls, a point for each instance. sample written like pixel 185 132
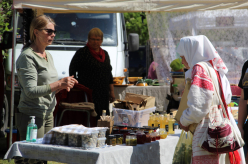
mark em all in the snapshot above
pixel 183 105
pixel 183 150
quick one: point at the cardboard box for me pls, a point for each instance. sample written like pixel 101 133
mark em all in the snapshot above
pixel 136 102
pixel 131 117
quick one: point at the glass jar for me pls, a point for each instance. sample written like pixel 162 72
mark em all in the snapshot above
pixel 111 140
pixel 148 137
pixel 119 139
pixel 141 137
pixel 153 136
pixel 131 140
pixel 162 133
pixel 124 132
pixel 157 135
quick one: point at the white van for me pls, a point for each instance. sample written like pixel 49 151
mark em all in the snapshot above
pixel 72 33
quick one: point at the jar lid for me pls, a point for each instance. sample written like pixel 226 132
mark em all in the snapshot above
pixel 132 134
pixel 111 136
pixel 146 131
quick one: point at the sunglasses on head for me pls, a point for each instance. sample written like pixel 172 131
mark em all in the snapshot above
pixel 49 31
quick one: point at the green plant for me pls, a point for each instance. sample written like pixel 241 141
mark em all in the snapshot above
pixel 134 24
pixel 5 15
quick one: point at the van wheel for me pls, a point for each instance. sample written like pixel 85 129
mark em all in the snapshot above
pixel 4 115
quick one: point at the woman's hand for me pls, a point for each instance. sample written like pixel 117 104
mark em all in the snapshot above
pixel 183 127
pixel 68 82
pixel 111 96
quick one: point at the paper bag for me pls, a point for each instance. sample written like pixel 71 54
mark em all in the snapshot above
pixel 183 105
pixel 108 124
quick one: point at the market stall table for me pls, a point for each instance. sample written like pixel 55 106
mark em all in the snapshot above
pixel 156 152
pixel 159 92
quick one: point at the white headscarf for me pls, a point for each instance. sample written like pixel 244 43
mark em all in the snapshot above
pixel 197 49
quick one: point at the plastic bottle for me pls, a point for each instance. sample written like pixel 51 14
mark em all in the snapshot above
pixel 171 124
pixel 151 120
pixel 31 131
pixel 156 120
pixel 162 121
pixel 166 121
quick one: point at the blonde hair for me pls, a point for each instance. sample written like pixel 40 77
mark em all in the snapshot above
pixel 95 32
pixel 38 23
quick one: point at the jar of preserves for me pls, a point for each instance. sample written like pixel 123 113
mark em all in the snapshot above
pixel 122 127
pixel 131 140
pixel 124 132
pixel 153 136
pixel 148 137
pixel 119 139
pixel 141 137
pixel 111 140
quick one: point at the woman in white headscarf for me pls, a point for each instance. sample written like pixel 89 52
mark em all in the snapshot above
pixel 195 49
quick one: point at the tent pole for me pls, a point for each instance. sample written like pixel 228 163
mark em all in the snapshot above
pixel 13 76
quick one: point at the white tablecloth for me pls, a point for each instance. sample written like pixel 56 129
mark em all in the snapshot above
pixel 159 92
pixel 156 152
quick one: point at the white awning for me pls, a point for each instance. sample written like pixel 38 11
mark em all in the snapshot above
pixel 103 6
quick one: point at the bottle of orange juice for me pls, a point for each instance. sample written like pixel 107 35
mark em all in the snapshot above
pixel 156 120
pixel 171 124
pixel 151 120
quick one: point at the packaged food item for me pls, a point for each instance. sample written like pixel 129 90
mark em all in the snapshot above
pixel 125 133
pixel 148 137
pixel 119 139
pixel 74 140
pixel 162 133
pixel 89 140
pixel 101 142
pixel 102 133
pixel 111 140
pixel 141 137
pixel 61 138
pixel 131 140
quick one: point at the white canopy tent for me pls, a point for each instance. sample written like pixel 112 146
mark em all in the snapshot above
pixel 108 6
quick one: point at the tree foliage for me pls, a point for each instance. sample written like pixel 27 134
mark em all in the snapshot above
pixel 5 15
pixel 134 24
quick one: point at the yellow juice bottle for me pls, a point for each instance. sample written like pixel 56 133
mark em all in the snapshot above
pixel 171 124
pixel 162 122
pixel 166 122
pixel 151 120
pixel 156 120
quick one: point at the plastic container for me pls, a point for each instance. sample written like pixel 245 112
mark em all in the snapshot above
pixel 89 140
pixel 102 133
pixel 61 138
pixel 74 140
pixel 133 118
pixel 101 142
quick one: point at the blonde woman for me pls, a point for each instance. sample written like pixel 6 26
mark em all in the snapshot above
pixel 38 78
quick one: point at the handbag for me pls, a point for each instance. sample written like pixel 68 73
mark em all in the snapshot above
pixel 220 136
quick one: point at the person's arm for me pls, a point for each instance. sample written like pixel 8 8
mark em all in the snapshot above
pixel 242 114
pixel 27 75
pixel 199 97
pixel 111 93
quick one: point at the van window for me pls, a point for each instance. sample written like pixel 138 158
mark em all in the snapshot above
pixel 72 29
